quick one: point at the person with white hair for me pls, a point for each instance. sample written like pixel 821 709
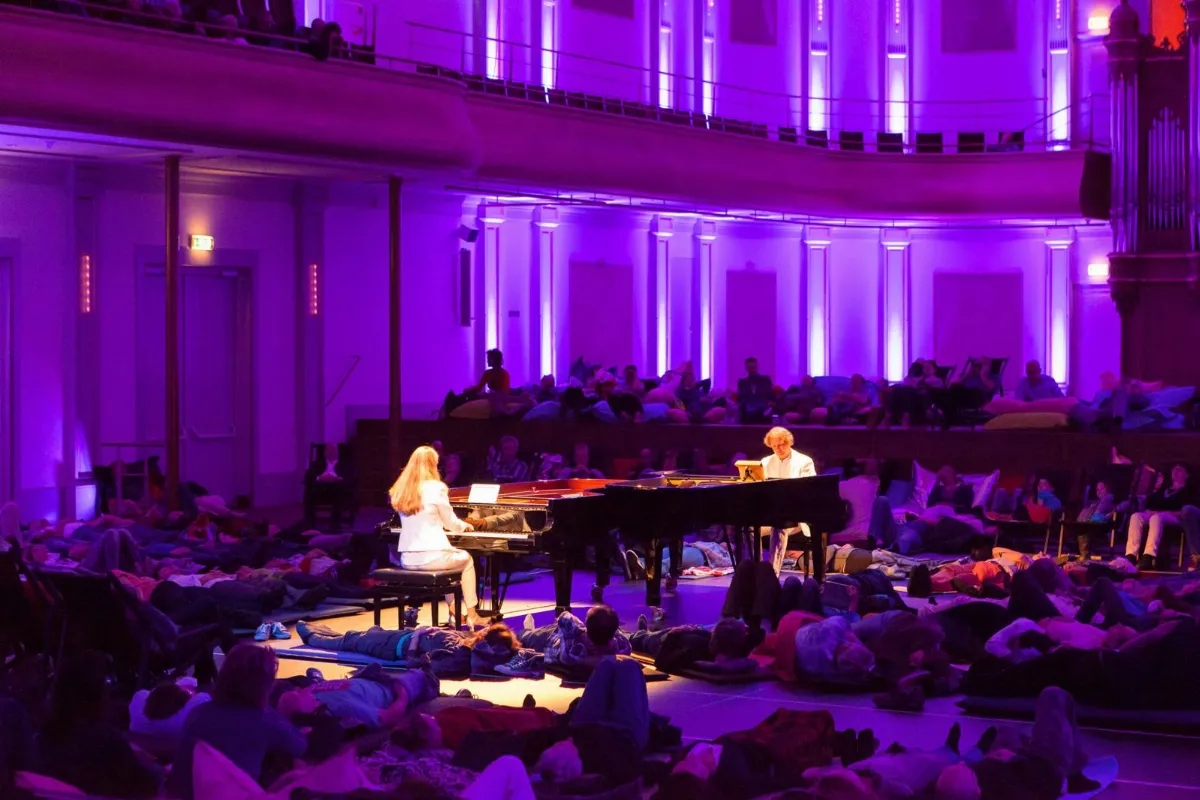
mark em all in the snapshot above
pixel 784 462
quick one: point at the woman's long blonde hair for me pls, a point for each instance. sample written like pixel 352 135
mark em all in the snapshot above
pixel 405 494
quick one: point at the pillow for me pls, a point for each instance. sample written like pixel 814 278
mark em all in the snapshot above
pixel 924 481
pixel 41 786
pixel 898 493
pixel 1037 514
pixel 654 412
pixel 660 395
pixel 214 775
pixel 1009 405
pixel 602 412
pixel 473 409
pixel 983 485
pixel 1170 398
pixel 543 411
pixel 1033 420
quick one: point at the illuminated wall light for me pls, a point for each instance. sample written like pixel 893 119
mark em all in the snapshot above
pixel 896 12
pixel 1097 23
pixel 549 45
pixel 201 242
pixel 492 48
pixel 314 291
pixel 820 11
pixel 1058 10
pixel 1098 270
pixel 85 284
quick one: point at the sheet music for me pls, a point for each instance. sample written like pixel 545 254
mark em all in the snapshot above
pixel 484 493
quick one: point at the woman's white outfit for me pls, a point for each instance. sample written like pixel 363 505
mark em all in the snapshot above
pixel 794 465
pixel 423 545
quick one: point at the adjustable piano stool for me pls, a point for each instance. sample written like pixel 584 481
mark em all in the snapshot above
pixel 405 587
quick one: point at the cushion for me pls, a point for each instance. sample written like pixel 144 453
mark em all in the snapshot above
pixel 1036 420
pixel 473 409
pixel 924 481
pixel 410 577
pixel 550 409
pixel 1169 398
pixel 602 412
pixel 899 492
pixel 662 394
pixel 654 412
pixel 1009 405
pixel 983 485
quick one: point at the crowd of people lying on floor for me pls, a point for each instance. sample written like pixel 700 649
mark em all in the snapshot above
pixel 266 23
pixel 930 394
pixel 1021 626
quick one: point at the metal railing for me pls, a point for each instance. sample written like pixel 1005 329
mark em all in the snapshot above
pixel 519 71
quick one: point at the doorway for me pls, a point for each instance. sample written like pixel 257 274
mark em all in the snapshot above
pixel 7 399
pixel 215 371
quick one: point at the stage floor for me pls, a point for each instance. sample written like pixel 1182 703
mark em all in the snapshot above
pixel 1161 766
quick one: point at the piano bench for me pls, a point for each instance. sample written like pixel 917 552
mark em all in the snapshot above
pixel 407 587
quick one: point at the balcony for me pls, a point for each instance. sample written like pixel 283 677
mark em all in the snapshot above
pixel 118 79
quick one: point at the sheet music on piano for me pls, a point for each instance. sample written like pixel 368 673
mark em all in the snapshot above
pixel 484 493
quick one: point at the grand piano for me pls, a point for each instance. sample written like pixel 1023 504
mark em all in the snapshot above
pixel 657 512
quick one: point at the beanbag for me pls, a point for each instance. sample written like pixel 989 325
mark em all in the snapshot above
pixel 473 409
pixel 1027 420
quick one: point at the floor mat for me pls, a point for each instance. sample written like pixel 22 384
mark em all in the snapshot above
pixel 575 679
pixel 305 653
pixel 1176 721
pixel 291 615
pixel 720 679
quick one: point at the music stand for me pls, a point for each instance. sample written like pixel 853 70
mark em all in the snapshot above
pixel 749 470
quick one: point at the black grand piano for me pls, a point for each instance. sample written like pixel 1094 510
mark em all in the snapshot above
pixel 657 512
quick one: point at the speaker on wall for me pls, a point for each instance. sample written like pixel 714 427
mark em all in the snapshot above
pixel 468 235
pixel 464 287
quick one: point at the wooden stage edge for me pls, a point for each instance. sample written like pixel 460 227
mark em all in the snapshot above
pixel 967 450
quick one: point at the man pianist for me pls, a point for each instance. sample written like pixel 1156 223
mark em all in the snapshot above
pixel 784 462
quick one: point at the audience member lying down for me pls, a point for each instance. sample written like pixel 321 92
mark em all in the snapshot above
pixel 571 643
pixel 719 649
pixel 450 653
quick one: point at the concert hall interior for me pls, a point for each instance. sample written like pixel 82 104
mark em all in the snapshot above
pixel 600 398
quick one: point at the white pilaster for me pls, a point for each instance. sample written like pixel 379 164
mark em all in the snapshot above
pixel 662 228
pixel 1058 74
pixel 707 85
pixel 896 303
pixel 1058 301
pixel 547 25
pixel 817 52
pixel 545 220
pixel 706 237
pixel 816 266
pixel 491 217
pixel 897 68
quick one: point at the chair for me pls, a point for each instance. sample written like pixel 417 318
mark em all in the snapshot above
pixel 970 142
pixel 850 140
pixel 889 142
pixel 322 505
pixel 929 143
pixel 815 138
pixel 1119 480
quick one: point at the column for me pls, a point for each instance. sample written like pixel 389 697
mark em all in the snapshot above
pixel 897 68
pixel 1123 44
pixel 819 104
pixel 663 54
pixel 706 236
pixel 85 451
pixel 1192 9
pixel 1058 74
pixel 816 267
pixel 172 426
pixel 309 209
pixel 1058 302
pixel 706 22
pixel 662 228
pixel 545 221
pixel 491 217
pixel 896 304
pixel 546 37
pixel 396 455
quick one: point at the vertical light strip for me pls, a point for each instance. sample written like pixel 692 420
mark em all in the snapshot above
pixel 314 290
pixel 549 44
pixel 666 51
pixel 85 284
pixel 817 242
pixel 663 229
pixel 546 220
pixel 1058 301
pixel 897 69
pixel 709 66
pixel 819 105
pixel 492 218
pixel 493 44
pixel 706 237
pixel 896 295
pixel 1058 109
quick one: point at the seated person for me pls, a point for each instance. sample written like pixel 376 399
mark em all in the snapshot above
pixel 631 384
pixel 697 407
pixel 495 379
pixel 951 490
pixel 969 391
pixel 755 392
pixel 547 390
pixel 375 699
pixel 1102 506
pixel 572 643
pixel 784 462
pixel 505 465
pixel 580 466
pixel 79 746
pixel 1035 385
pixel 720 648
pixel 910 401
pixel 329 481
pixel 451 652
pixel 798 403
pixel 238 721
pixel 848 404
pixel 1163 507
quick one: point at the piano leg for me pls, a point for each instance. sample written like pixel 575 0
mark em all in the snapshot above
pixel 654 554
pixel 676 556
pixel 560 564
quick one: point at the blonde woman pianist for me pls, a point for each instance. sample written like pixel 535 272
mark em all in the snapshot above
pixel 421 500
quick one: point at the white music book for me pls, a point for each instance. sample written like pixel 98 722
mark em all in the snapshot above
pixel 484 493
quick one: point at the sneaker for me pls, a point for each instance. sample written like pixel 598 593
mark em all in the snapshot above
pixel 525 664
pixel 1146 563
pixel 635 568
pixel 263 632
pixel 527 623
pixel 410 617
pixel 657 617
pixel 643 623
pixel 280 632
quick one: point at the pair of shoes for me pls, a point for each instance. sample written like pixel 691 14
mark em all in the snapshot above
pixel 635 567
pixel 410 617
pixel 271 630
pixel 524 664
pixel 1146 562
pixel 597 593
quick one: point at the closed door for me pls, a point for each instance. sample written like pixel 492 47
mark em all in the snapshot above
pixel 6 383
pixel 215 401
